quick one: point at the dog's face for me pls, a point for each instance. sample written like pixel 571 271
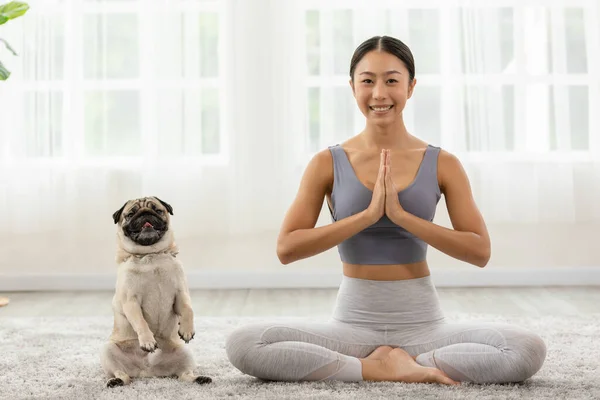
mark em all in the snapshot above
pixel 144 221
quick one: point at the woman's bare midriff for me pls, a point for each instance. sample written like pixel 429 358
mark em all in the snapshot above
pixel 394 272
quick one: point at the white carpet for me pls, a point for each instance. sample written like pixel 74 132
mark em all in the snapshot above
pixel 57 358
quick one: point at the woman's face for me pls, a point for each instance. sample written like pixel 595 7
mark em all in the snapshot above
pixel 381 87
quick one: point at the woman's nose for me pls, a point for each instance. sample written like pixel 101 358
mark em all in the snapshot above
pixel 379 92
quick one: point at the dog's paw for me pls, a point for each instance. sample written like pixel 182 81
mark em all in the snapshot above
pixel 202 380
pixel 150 347
pixel 148 343
pixel 112 382
pixel 186 336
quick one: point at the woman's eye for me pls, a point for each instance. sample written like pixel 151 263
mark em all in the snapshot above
pixel 367 81
pixel 392 81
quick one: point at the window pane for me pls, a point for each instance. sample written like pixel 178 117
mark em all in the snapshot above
pixel 552 122
pixel 112 121
pixel 570 102
pixel 208 43
pixel 44 50
pixel 170 64
pixel 344 109
pixel 313 42
pixel 508 108
pixel 111 46
pixel 488 117
pixel 427 111
pixel 549 53
pixel 183 131
pixel 314 118
pixel 43 124
pixel 506 38
pixel 471 99
pixel 211 143
pixel 579 117
pixel 170 122
pixel 575 43
pixel 424 34
pixel 343 44
pixel 193 49
pixel 487 43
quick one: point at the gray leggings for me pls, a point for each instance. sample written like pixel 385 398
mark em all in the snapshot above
pixel 369 314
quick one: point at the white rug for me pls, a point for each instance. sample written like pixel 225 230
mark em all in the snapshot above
pixel 57 358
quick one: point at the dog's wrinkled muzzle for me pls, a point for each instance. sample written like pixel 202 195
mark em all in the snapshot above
pixel 146 229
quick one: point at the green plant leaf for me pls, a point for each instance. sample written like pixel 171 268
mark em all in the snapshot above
pixel 4 73
pixel 12 10
pixel 8 46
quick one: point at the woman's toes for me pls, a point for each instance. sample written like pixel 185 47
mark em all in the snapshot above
pixel 438 376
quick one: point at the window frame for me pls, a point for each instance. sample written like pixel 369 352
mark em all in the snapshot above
pixel 74 90
pixel 447 79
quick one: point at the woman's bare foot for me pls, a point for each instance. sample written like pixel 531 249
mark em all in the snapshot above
pixel 399 366
pixel 406 369
pixel 379 353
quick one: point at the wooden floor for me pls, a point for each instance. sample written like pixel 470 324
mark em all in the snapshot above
pixel 538 301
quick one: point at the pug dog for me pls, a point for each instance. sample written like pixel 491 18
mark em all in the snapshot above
pixel 153 316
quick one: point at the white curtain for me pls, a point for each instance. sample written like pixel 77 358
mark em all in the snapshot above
pixel 216 106
pixel 511 88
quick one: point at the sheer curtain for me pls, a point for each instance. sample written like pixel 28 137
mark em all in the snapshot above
pixel 511 87
pixel 538 120
pixel 189 101
pixel 216 107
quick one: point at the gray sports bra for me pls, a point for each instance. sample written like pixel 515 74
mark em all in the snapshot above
pixel 383 242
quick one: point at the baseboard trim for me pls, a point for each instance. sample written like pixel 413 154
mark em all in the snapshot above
pixel 297 278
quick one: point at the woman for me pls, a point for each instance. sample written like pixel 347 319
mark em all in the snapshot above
pixel 382 187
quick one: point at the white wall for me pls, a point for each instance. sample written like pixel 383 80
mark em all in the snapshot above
pixel 552 254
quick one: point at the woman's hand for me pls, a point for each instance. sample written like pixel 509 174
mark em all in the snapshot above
pixel 393 209
pixel 376 209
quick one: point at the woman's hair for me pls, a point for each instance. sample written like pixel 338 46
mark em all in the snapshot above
pixel 389 45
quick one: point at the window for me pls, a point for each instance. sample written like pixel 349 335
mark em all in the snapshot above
pixel 502 79
pixel 140 80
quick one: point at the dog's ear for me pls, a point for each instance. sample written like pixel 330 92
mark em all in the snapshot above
pixel 117 214
pixel 167 205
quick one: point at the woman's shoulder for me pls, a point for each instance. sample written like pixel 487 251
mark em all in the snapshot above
pixel 447 159
pixel 319 170
pixel 450 168
pixel 324 157
pixel 352 148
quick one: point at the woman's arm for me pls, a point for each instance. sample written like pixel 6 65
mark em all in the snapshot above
pixel 469 241
pixel 298 237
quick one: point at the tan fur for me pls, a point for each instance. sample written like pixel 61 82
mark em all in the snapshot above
pixel 152 309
